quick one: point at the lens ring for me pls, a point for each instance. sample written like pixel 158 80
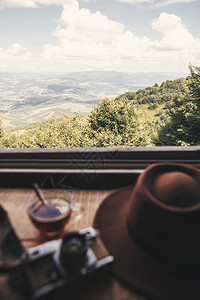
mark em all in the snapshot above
pixel 73 250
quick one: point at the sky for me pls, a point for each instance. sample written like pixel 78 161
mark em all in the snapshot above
pixel 63 36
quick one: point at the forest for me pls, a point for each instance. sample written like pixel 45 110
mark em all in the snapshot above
pixel 163 115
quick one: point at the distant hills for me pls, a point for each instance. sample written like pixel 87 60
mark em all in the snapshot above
pixel 26 97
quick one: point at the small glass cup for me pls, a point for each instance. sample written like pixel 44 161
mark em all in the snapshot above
pixel 51 216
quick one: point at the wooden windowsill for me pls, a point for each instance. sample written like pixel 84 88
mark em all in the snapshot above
pixel 14 202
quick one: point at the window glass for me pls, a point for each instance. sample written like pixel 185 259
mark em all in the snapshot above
pixel 98 73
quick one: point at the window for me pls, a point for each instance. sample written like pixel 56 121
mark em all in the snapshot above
pixel 66 56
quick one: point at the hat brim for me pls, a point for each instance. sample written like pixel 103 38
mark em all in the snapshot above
pixel 133 264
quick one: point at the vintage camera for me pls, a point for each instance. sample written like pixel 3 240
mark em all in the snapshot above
pixel 72 259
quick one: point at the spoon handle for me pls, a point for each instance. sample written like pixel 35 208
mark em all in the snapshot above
pixel 39 193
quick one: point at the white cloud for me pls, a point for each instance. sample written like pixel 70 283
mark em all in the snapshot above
pixel 169 2
pixel 15 59
pixel 17 3
pixel 157 3
pixel 54 2
pixel 36 3
pixel 31 3
pixel 91 41
pixel 174 32
pixel 136 1
pixel 82 25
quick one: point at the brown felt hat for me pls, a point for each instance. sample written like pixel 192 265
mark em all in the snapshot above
pixel 153 231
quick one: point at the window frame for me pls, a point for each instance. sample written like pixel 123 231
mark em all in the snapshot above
pixel 92 168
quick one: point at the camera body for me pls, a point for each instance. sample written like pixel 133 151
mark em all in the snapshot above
pixel 75 257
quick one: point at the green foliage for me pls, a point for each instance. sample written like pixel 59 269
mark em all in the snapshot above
pixel 168 114
pixel 111 123
pixel 158 94
pixel 183 126
pixel 113 115
pixel 194 84
pixel 54 133
pixel 1 128
pixel 114 123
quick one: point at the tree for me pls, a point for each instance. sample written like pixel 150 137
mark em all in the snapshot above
pixel 1 128
pixel 194 84
pixel 114 123
pixel 183 126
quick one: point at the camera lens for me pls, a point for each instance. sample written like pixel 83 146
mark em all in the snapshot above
pixel 73 250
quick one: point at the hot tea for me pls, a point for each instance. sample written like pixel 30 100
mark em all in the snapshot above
pixel 50 217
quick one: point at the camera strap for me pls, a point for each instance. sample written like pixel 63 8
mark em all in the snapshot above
pixel 12 254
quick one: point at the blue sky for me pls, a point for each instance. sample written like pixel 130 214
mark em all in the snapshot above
pixel 62 36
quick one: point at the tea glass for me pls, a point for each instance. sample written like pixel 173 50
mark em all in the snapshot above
pixel 51 217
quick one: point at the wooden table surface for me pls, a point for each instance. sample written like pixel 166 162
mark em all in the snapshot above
pixel 14 202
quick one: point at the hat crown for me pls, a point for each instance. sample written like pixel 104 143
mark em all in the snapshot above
pixel 164 193
pixel 176 189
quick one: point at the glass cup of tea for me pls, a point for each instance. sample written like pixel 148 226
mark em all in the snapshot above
pixel 49 211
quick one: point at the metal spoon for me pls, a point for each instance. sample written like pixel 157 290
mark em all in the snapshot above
pixel 39 193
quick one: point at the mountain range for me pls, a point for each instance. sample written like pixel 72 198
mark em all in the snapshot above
pixel 29 97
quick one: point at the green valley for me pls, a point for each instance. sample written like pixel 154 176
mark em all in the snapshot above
pixel 160 114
